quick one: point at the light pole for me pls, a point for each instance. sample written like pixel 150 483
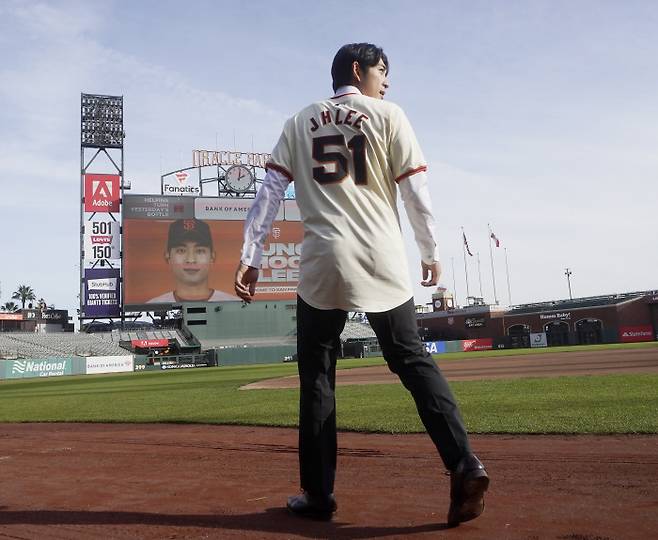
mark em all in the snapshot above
pixel 568 274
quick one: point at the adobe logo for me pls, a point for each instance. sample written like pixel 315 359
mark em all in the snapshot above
pixel 101 192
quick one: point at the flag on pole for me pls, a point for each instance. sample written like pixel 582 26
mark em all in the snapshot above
pixel 466 244
pixel 495 239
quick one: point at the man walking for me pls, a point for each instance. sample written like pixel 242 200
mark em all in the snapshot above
pixel 348 155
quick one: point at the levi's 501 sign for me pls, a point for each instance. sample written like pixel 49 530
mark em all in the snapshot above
pixel 102 193
pixel 101 240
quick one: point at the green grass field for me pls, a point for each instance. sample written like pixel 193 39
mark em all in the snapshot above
pixel 583 404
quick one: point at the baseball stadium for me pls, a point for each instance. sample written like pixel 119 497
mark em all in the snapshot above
pixel 172 412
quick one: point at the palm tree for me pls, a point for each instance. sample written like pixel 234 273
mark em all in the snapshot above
pixel 10 307
pixel 24 293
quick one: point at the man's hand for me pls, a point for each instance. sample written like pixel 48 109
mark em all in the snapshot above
pixel 431 273
pixel 245 282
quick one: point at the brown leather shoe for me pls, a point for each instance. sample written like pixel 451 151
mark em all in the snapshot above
pixel 311 506
pixel 468 482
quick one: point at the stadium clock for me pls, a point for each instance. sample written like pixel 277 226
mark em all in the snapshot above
pixel 239 178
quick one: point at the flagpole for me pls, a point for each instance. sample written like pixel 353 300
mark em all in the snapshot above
pixel 509 289
pixel 454 281
pixel 493 274
pixel 480 275
pixel 468 294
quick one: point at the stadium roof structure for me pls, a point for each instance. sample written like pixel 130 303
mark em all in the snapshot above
pixel 485 309
pixel 575 303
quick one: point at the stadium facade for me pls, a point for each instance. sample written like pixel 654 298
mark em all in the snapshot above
pixel 143 253
pixel 627 317
pixel 36 320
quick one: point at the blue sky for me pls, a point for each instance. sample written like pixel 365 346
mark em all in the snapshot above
pixel 540 118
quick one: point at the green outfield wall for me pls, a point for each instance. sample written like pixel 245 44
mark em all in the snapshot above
pixel 232 320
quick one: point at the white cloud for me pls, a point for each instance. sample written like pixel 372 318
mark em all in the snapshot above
pixel 165 113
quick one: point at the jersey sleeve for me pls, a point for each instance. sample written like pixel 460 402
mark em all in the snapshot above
pixel 406 156
pixel 282 158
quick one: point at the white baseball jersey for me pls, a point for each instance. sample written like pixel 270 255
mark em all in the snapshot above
pixel 345 155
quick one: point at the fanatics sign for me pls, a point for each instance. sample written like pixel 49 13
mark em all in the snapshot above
pixel 102 193
pixel 181 183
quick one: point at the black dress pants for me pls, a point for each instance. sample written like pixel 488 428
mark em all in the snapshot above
pixel 318 345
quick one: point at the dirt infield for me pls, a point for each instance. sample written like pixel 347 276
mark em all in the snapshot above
pixel 503 367
pixel 84 481
pixel 90 481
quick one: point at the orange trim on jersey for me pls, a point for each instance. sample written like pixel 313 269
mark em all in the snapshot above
pixel 348 94
pixel 422 168
pixel 285 172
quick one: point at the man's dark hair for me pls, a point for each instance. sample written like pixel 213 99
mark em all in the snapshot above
pixel 366 54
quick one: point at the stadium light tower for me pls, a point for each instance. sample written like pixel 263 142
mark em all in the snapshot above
pixel 568 274
pixel 101 194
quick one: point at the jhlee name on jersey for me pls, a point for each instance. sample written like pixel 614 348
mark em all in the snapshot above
pixel 342 115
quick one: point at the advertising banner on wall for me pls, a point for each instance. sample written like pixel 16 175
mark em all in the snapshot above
pixel 101 240
pixel 102 296
pixel 43 367
pixel 109 364
pixel 475 322
pixel 150 343
pixel 629 334
pixel 173 364
pixel 102 193
pixel 435 347
pixel 230 209
pixel 192 260
pixel 225 209
pixel 481 344
pixel 181 183
pixel 538 339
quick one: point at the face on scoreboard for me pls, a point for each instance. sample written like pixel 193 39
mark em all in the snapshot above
pixel 157 262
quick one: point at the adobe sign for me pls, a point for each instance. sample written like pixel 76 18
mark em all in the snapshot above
pixel 149 343
pixel 102 193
